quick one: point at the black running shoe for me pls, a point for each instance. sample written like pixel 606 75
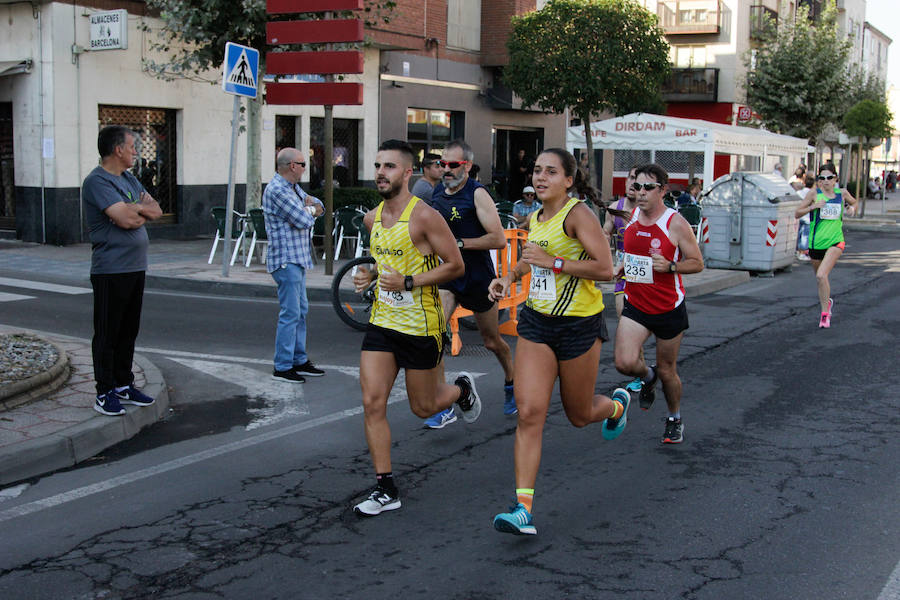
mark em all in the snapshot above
pixel 648 391
pixel 674 431
pixel 308 369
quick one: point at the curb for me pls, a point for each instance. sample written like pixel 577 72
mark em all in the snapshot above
pixel 251 290
pixel 701 288
pixel 21 392
pixel 74 444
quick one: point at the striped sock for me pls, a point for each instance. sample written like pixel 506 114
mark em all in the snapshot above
pixel 618 409
pixel 525 497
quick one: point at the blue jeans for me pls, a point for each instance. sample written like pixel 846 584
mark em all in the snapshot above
pixel 290 336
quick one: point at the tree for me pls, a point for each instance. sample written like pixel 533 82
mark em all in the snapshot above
pixel 863 85
pixel 797 80
pixel 193 38
pixel 589 56
pixel 872 120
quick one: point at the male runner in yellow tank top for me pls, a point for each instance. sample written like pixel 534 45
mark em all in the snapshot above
pixel 407 328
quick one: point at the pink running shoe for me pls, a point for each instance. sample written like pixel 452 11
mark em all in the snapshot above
pixel 825 321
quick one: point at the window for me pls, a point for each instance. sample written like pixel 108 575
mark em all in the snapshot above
pixel 686 57
pixel 429 130
pixel 464 24
pixel 345 152
pixel 285 132
pixel 155 167
pixel 7 179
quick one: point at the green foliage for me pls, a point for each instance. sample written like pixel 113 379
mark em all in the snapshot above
pixel 798 83
pixel 862 85
pixel 868 118
pixel 351 196
pixel 588 56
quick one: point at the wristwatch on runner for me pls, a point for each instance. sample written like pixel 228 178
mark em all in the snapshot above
pixel 459 242
pixel 673 267
pixel 408 283
pixel 557 265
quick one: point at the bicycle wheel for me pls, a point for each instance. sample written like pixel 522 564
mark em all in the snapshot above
pixel 354 308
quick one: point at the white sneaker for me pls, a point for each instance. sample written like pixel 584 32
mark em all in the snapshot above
pixel 469 403
pixel 377 502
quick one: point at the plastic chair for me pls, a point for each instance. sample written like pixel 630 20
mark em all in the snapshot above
pixel 259 235
pixel 508 221
pixel 505 207
pixel 344 229
pixel 362 243
pixel 237 231
pixel 518 292
pixel 691 214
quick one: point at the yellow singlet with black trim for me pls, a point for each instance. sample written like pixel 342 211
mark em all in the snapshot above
pixel 416 312
pixel 560 294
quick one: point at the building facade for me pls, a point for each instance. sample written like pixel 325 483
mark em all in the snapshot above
pixel 430 75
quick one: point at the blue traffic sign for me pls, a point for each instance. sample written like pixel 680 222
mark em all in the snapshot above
pixel 241 73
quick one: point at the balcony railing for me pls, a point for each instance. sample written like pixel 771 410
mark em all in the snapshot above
pixel 760 19
pixel 692 85
pixel 689 16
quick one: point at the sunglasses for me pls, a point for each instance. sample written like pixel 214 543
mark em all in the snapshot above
pixel 298 162
pixel 453 164
pixel 826 177
pixel 647 187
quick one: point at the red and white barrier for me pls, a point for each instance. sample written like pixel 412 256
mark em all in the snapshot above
pixel 771 233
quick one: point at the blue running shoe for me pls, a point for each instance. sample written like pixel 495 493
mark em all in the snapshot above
pixel 509 404
pixel 108 404
pixel 613 428
pixel 132 395
pixel 518 521
pixel 439 420
pixel 635 385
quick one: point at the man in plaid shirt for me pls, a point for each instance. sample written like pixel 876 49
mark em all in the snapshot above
pixel 289 214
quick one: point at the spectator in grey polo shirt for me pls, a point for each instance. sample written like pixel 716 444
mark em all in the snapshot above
pixel 289 214
pixel 431 174
pixel 116 207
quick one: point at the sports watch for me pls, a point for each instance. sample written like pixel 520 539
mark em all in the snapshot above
pixel 408 283
pixel 558 265
pixel 673 267
pixel 459 242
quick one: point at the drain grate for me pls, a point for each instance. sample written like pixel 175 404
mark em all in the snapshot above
pixel 474 350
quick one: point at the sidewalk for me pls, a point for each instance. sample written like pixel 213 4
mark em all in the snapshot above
pixel 63 429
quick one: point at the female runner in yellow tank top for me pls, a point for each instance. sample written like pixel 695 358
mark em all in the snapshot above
pixel 561 328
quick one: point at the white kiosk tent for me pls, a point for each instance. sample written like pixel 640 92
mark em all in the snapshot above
pixel 659 133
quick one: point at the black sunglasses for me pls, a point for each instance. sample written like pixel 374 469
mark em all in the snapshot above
pixel 298 162
pixel 453 164
pixel 647 187
pixel 826 177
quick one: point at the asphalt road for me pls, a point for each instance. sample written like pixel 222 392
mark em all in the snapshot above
pixel 786 485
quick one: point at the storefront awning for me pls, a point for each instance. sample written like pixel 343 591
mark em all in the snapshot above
pixel 14 67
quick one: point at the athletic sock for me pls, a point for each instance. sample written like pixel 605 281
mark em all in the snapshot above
pixel 649 376
pixel 386 482
pixel 122 388
pixel 675 415
pixel 525 497
pixel 507 383
pixel 618 409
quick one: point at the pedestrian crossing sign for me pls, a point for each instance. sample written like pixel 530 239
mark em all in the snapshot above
pixel 241 73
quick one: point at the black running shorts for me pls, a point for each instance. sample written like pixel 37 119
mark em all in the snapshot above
pixel 410 351
pixel 568 337
pixel 664 326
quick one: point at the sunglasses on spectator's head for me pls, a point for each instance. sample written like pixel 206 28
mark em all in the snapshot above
pixel 453 164
pixel 647 187
pixel 826 177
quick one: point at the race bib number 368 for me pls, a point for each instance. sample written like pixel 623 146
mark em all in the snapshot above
pixel 831 211
pixel 638 269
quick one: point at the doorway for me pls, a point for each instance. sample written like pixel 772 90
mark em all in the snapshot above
pixel 7 177
pixel 512 172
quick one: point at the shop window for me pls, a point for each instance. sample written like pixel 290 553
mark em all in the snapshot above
pixel 345 156
pixel 430 130
pixel 156 163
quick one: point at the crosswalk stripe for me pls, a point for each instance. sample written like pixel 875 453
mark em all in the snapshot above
pixel 44 287
pixel 5 297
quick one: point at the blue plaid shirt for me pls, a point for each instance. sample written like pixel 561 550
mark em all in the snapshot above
pixel 287 224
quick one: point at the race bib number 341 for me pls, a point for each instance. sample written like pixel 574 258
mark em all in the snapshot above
pixel 638 269
pixel 543 284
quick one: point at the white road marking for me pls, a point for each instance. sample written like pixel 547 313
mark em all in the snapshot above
pixel 891 589
pixel 6 297
pixel 13 492
pixel 44 287
pixel 280 399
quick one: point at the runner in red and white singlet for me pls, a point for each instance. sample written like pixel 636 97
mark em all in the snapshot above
pixel 659 247
pixel 666 291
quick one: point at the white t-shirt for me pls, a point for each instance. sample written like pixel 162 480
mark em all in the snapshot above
pixel 802 192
